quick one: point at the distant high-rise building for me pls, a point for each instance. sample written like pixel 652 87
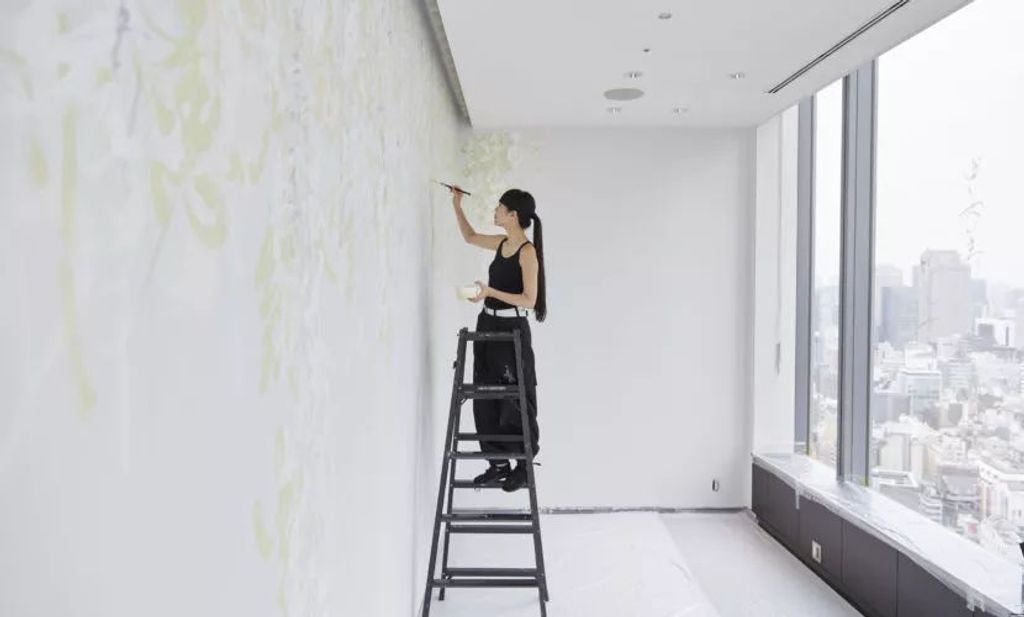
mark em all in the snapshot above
pixel 888 406
pixel 1002 489
pixel 949 347
pixel 903 446
pixel 958 375
pixel 922 386
pixel 899 315
pixel 944 296
pixel 886 276
pixel 950 414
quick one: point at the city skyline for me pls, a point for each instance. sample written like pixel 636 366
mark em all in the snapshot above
pixel 947 167
pixel 946 409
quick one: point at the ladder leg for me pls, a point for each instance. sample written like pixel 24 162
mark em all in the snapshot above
pixel 448 445
pixel 448 509
pixel 538 547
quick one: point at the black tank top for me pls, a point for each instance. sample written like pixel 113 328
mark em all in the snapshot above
pixel 505 274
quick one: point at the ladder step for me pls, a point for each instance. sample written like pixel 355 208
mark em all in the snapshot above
pixel 488 529
pixel 484 516
pixel 487 582
pixel 487 455
pixel 469 484
pixel 486 391
pixel 479 437
pixel 493 572
pixel 490 336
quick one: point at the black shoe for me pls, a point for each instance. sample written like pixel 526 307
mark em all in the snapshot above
pixel 515 480
pixel 493 474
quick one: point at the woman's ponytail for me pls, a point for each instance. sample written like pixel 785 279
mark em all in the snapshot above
pixel 540 310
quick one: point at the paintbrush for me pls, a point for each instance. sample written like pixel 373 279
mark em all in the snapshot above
pixel 452 188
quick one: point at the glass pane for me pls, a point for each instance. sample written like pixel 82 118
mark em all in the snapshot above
pixel 828 161
pixel 948 357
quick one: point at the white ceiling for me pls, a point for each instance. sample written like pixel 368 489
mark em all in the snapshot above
pixel 549 62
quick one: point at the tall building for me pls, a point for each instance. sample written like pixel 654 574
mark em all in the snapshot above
pixel 898 315
pixel 886 277
pixel 888 406
pixel 923 386
pixel 903 446
pixel 1002 489
pixel 958 375
pixel 945 304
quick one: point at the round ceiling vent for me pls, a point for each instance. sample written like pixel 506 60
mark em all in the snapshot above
pixel 623 94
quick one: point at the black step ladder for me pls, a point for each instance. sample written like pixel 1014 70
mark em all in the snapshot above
pixel 484 521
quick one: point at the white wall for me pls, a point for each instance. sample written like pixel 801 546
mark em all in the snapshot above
pixel 215 274
pixel 644 372
pixel 775 284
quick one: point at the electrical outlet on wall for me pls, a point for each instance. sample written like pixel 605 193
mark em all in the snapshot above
pixel 815 551
pixel 714 485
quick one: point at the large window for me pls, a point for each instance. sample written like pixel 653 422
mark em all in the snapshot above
pixel 947 366
pixel 824 383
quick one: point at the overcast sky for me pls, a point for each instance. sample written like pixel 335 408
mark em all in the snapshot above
pixel 951 95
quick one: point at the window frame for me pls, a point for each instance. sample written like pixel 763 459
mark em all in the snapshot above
pixel 856 272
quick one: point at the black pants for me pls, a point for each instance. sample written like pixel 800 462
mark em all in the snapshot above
pixel 495 363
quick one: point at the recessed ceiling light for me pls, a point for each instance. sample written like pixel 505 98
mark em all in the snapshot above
pixel 623 94
pixel 664 15
pixel 737 75
pixel 634 74
pixel 614 110
pixel 679 110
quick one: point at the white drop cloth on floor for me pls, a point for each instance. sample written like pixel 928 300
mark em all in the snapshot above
pixel 599 565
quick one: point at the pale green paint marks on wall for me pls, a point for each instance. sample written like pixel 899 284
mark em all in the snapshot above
pixel 86 394
pixel 489 158
pixel 66 278
pixel 186 101
pixel 38 170
pixel 210 223
pixel 264 542
pixel 17 61
pixel 104 76
pixel 287 145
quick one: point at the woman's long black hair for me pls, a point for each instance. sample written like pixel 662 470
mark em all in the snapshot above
pixel 525 207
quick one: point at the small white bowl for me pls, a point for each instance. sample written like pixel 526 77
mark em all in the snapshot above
pixel 467 292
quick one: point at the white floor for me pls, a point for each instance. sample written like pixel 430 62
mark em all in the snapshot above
pixel 744 571
pixel 645 565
